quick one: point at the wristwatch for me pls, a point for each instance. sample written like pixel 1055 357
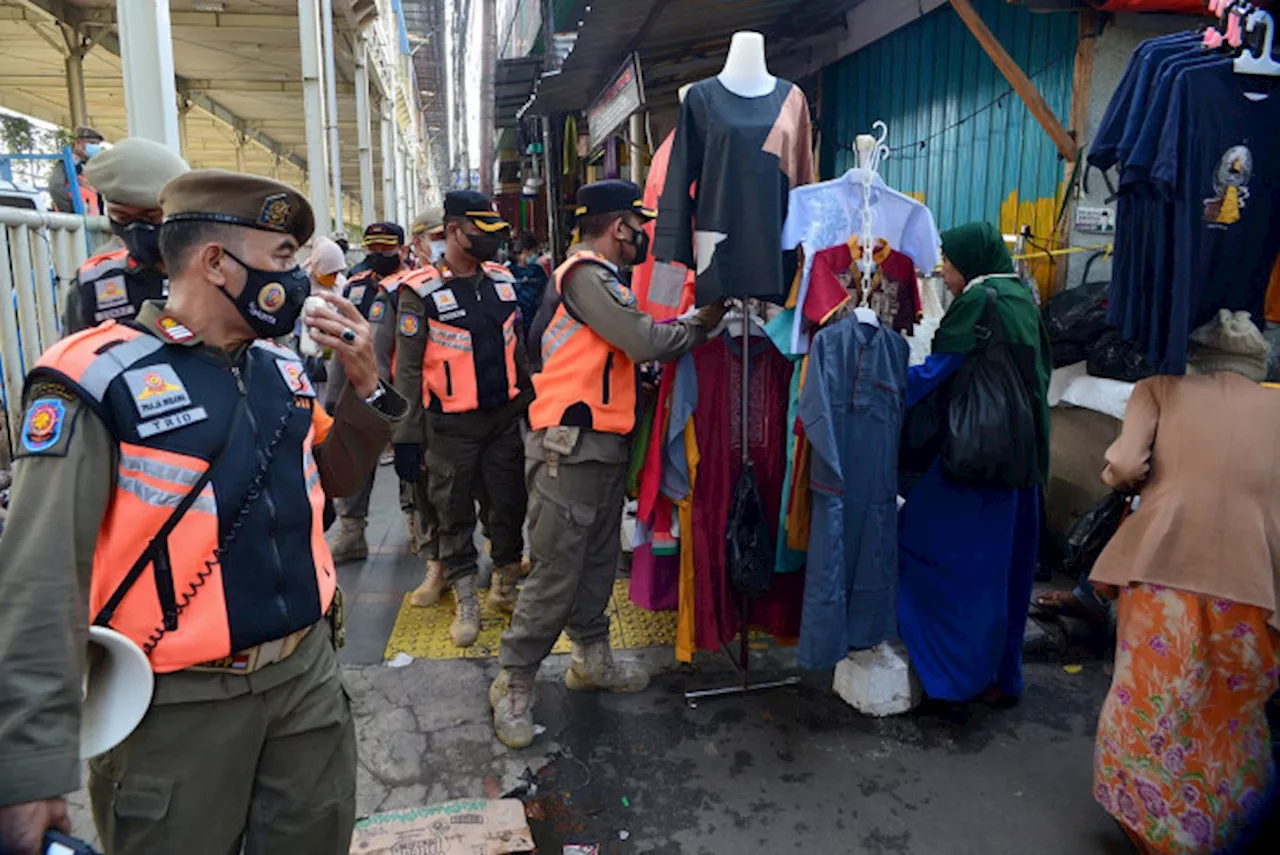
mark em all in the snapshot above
pixel 377 395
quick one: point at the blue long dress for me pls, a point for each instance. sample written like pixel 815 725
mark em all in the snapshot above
pixel 967 559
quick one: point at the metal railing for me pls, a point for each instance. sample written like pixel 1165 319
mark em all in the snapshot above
pixel 40 253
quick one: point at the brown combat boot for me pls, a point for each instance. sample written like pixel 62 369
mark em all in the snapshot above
pixel 593 669
pixel 512 699
pixel 502 589
pixel 432 587
pixel 349 544
pixel 466 621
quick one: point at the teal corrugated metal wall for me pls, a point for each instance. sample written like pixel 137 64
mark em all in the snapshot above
pixel 930 82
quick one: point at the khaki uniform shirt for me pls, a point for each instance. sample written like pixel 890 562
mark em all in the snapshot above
pixel 46 561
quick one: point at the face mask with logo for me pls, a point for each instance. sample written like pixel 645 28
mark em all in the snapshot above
pixel 272 299
pixel 384 263
pixel 142 239
pixel 485 247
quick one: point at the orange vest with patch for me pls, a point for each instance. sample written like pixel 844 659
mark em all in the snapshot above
pixel 470 358
pixel 584 381
pixel 248 562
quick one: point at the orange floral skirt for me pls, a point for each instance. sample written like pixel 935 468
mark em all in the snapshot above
pixel 1183 757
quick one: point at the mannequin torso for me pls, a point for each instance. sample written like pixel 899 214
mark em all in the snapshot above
pixel 745 71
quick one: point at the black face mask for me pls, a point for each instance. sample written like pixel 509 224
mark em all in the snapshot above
pixel 639 240
pixel 272 299
pixel 384 264
pixel 485 247
pixel 142 239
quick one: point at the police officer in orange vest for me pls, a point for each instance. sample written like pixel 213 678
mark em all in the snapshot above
pixel 586 341
pixel 115 283
pixel 458 351
pixel 374 291
pixel 170 485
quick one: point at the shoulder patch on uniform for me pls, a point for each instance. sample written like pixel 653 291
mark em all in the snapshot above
pixel 45 430
pixel 506 292
pixel 295 377
pixel 376 311
pixel 445 300
pixel 156 389
pixel 110 291
pixel 410 325
pixel 424 281
pixel 277 349
pixel 497 272
pixel 620 292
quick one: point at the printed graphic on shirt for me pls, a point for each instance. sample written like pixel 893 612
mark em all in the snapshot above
pixel 173 330
pixel 445 300
pixel 110 292
pixel 620 292
pixel 410 324
pixel 376 311
pixel 1231 187
pixel 505 292
pixel 156 389
pixel 172 422
pixel 357 294
pixel 295 377
pixel 44 424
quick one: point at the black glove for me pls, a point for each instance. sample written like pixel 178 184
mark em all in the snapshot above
pixel 409 461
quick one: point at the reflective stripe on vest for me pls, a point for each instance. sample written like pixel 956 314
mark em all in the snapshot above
pixel 219 611
pixel 585 381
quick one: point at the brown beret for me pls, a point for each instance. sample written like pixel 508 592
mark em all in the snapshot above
pixel 213 195
pixel 134 171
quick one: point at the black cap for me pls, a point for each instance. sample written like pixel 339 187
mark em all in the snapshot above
pixel 606 197
pixel 476 207
pixel 383 236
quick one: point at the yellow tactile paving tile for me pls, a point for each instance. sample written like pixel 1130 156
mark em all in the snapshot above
pixel 423 633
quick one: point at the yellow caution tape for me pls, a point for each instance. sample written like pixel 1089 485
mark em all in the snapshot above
pixel 1107 248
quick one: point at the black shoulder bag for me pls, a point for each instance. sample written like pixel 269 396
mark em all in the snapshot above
pixel 991 439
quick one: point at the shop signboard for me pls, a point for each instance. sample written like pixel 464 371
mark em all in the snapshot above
pixel 623 96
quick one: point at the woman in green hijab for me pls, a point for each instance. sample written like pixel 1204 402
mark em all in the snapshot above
pixel 967 554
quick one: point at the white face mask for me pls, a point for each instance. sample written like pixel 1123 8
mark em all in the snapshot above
pixel 437 249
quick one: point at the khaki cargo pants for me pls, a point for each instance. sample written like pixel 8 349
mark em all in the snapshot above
pixel 575 515
pixel 265 761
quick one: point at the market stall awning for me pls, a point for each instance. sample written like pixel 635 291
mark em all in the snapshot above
pixel 679 41
pixel 513 87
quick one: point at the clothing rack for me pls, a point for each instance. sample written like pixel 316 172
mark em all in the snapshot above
pixel 744 649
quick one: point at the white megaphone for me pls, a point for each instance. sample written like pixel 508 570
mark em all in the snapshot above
pixel 117 691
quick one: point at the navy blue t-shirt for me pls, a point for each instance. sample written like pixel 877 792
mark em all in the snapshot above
pixel 1218 163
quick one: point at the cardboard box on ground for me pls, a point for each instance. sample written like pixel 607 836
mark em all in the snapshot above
pixel 465 827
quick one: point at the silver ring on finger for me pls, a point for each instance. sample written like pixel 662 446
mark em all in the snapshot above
pixel 348 335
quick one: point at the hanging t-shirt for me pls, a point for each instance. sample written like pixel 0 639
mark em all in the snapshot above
pixel 664 289
pixel 1218 161
pixel 745 155
pixel 895 297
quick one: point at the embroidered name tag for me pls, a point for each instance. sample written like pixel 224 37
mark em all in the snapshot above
pixel 110 292
pixel 173 421
pixel 156 389
pixel 295 377
pixel 453 316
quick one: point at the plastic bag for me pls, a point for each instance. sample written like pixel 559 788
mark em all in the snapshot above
pixel 1112 357
pixel 1074 319
pixel 750 546
pixel 1091 533
pixel 991 438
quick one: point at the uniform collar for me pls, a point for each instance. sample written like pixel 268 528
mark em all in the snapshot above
pixel 154 319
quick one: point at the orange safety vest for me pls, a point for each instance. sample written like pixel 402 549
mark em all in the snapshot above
pixel 470 358
pixel 585 381
pixel 113 286
pixel 90 199
pixel 207 593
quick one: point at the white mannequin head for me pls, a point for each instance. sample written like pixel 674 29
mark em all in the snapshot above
pixel 745 71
